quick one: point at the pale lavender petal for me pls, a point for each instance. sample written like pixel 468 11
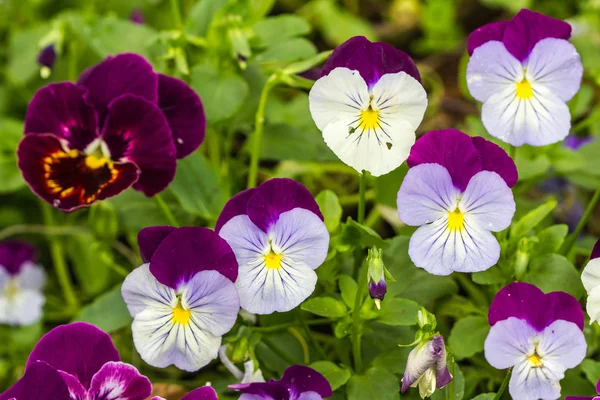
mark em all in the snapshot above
pixel 562 344
pixel 421 358
pixel 528 383
pixel 141 290
pixel 119 381
pixel 508 342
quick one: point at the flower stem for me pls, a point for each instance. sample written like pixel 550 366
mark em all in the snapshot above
pixel 162 204
pixel 259 125
pixel 357 323
pixel 566 248
pixel 176 13
pixel 41 229
pixel 282 327
pixel 504 386
pixel 362 197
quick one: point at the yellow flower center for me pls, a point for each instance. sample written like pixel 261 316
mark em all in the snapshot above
pixel 524 90
pixel 369 119
pixel 456 220
pixel 535 360
pixel 96 161
pixel 272 260
pixel 12 289
pixel 181 315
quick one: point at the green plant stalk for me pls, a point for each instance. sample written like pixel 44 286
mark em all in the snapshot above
pixel 450 391
pixel 357 323
pixel 568 245
pixel 164 207
pixel 176 13
pixel 41 229
pixel 282 327
pixel 259 125
pixel 362 203
pixel 504 386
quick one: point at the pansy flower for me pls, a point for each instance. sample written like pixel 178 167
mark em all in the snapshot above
pixel 458 191
pixel 426 367
pixel 182 299
pixel 40 382
pixel 524 71
pixel 121 125
pixel 591 281
pixel 89 364
pixel 368 103
pixel 586 397
pixel 21 282
pixel 279 238
pixel 538 335
pixel 297 383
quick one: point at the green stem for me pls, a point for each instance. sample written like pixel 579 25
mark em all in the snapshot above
pixel 450 391
pixel 72 70
pixel 259 125
pixel 58 260
pixel 357 323
pixel 41 229
pixel 504 386
pixel 214 151
pixel 566 248
pixel 176 13
pixel 162 204
pixel 310 336
pixel 282 327
pixel 362 203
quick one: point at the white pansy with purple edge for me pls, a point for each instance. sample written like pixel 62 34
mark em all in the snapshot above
pixel 279 238
pixel 524 71
pixel 591 281
pixel 538 335
pixel 426 367
pixel 183 299
pixel 458 191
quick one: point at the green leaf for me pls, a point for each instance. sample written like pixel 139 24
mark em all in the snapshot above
pixel 467 336
pixel 336 376
pixel 398 312
pixel 275 30
pixel 550 239
pixel 376 383
pixel 24 49
pixel 531 220
pixel 591 369
pixel 386 186
pixel 222 92
pixel 20 338
pixel 113 36
pixel 91 261
pixel 330 208
pixel 201 16
pixel 354 234
pixel 108 312
pixel 325 307
pixel 552 273
pixel 530 163
pixel 288 51
pixel 11 132
pixel 287 142
pixel 565 160
pixel 348 289
pixel 510 5
pixel 485 396
pixel 490 276
pixel 337 24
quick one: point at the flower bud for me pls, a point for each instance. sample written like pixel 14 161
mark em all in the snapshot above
pixel 426 367
pixel 46 59
pixel 377 285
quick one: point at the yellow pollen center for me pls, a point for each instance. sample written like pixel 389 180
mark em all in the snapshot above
pixel 95 161
pixel 524 90
pixel 369 119
pixel 12 289
pixel 535 360
pixel 180 315
pixel 456 220
pixel 272 260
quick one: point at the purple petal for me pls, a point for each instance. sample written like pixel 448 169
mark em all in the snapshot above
pixel 137 131
pixel 79 349
pixel 487 33
pixel 126 73
pixel 237 205
pixel 527 302
pixel 495 159
pixel 451 149
pixel 149 239
pixel 40 382
pixel 184 112
pixel 60 109
pixel 529 27
pixel 189 250
pixel 136 16
pixel 277 196
pixel 269 390
pixel 47 56
pixel 371 60
pixel 302 379
pixel 377 290
pixel 423 357
pixel 203 393
pixel 574 142
pixel 119 381
pixel 580 398
pixel 595 254
pixel 13 254
pixel 598 387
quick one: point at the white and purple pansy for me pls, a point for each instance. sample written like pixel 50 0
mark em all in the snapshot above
pixel 182 299
pixel 524 71
pixel 539 335
pixel 21 283
pixel 279 238
pixel 88 362
pixel 591 281
pixel 458 192
pixel 426 367
pixel 297 383
pixel 368 103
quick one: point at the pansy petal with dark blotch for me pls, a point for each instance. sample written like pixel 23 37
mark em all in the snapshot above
pixel 60 109
pixel 183 109
pixel 149 239
pixel 137 131
pixel 14 253
pixel 119 381
pixel 40 382
pixel 203 393
pixel 69 179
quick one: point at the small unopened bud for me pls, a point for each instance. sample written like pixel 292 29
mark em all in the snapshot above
pixel 377 285
pixel 137 17
pixel 426 367
pixel 425 318
pixel 46 59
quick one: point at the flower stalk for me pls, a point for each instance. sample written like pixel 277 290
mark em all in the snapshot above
pixel 570 242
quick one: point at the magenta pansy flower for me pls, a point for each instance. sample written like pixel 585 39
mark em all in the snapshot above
pixel 524 71
pixel 458 192
pixel 368 103
pixel 591 281
pixel 121 125
pixel 279 238
pixel 538 335
pixel 183 298
pixel 21 283
pixel 426 367
pixel 297 383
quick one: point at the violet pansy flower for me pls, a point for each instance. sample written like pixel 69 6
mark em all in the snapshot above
pixel 121 125
pixel 426 367
pixel 538 335
pixel 368 103
pixel 21 283
pixel 591 282
pixel 297 383
pixel 524 71
pixel 279 238
pixel 458 191
pixel 183 299
pixel 586 397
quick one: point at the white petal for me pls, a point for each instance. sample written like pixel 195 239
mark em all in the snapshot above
pixel 142 290
pixel 508 343
pixel 248 242
pixel 32 276
pixel 400 96
pixel 593 304
pixel 528 383
pixel 561 346
pixel 591 275
pixel 25 307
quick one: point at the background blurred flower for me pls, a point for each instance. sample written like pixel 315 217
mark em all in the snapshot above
pixel 426 367
pixel 591 281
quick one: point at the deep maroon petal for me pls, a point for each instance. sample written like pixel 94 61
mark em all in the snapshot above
pixel 69 180
pixel 125 73
pixel 149 239
pixel 595 253
pixel 119 381
pixel 371 60
pixel 184 112
pixel 527 302
pixel 13 254
pixel 487 33
pixel 529 27
pixel 40 382
pixel 495 159
pixel 60 109
pixel 451 149
pixel 137 131
pixel 269 390
pixel 302 379
pixel 277 196
pixel 79 349
pixel 189 250
pixel 377 290
pixel 237 205
pixel 203 393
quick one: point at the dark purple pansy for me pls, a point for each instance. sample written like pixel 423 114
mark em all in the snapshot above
pixel 463 156
pixel 14 254
pixel 574 142
pixel 40 382
pixel 525 301
pixel 47 56
pixel 121 125
pixel 296 381
pixel 520 34
pixel 203 393
pixel 371 59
